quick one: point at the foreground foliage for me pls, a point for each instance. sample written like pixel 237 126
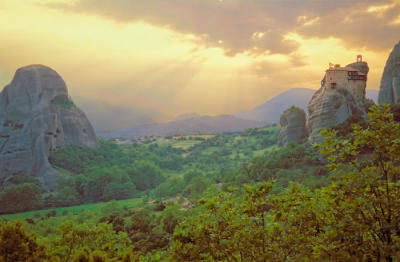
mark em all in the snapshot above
pixel 17 245
pixel 355 218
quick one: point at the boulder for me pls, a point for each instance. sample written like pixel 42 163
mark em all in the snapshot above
pixel 36 117
pixel 293 126
pixel 389 91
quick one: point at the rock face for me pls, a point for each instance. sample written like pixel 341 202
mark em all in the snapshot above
pixel 389 91
pixel 342 94
pixel 37 117
pixel 293 126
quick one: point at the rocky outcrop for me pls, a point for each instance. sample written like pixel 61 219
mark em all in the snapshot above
pixel 341 95
pixel 389 91
pixel 328 108
pixel 36 117
pixel 293 126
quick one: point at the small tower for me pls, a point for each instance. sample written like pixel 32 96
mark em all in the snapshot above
pixel 359 58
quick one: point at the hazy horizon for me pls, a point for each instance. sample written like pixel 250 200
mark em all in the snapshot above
pixel 165 58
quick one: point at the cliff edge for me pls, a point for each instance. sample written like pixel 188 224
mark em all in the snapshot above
pixel 36 117
pixel 293 126
pixel 341 95
pixel 389 91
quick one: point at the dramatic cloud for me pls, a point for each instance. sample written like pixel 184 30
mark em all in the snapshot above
pixel 151 60
pixel 258 27
pixel 359 25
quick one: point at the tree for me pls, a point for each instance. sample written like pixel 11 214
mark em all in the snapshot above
pixel 106 184
pixel 170 217
pixel 66 196
pixel 170 187
pixel 219 231
pixel 17 245
pixel 197 186
pixel 367 208
pixel 78 241
pixel 143 234
pixel 190 174
pixel 355 218
pixel 146 175
pixel 19 198
pixel 115 190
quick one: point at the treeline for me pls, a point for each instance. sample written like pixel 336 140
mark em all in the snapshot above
pixel 83 160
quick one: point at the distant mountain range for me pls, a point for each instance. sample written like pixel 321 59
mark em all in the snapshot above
pixel 271 110
pixel 264 114
pixel 195 124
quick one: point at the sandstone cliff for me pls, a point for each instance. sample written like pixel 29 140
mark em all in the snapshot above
pixel 342 94
pixel 36 117
pixel 389 91
pixel 293 126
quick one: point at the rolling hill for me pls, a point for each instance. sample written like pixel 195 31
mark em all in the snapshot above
pixel 189 124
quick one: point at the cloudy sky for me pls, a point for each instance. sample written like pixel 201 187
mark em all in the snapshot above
pixel 169 57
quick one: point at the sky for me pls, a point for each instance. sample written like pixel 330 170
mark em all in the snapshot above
pixel 162 58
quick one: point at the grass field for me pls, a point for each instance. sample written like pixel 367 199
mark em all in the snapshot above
pixel 129 203
pixel 184 142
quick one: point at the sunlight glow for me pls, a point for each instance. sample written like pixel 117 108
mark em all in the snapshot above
pixel 157 68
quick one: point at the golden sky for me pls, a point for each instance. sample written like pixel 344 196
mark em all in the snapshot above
pixel 205 56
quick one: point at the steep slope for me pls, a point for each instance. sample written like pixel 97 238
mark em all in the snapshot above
pixel 293 126
pixel 341 95
pixel 36 117
pixel 389 91
pixel 188 126
pixel 270 111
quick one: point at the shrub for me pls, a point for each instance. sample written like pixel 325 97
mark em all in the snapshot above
pixel 17 245
pixel 20 198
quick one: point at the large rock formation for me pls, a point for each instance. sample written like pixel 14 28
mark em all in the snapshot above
pixel 389 91
pixel 342 94
pixel 36 117
pixel 293 126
